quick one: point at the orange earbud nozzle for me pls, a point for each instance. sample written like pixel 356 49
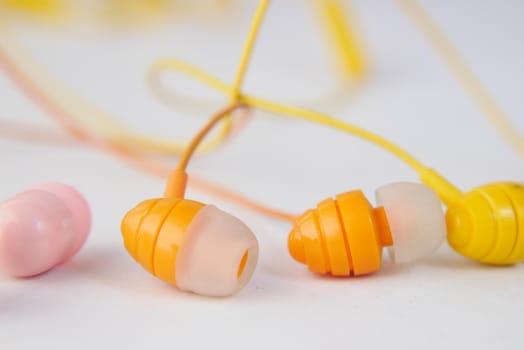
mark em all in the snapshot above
pixel 341 237
pixel 295 246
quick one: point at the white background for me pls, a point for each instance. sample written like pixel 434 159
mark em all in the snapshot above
pixel 103 299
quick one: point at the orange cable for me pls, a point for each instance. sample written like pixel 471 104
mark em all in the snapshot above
pixel 201 134
pixel 31 133
pixel 177 181
pixel 54 111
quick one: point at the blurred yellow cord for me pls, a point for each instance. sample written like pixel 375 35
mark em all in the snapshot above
pixel 346 50
pixel 253 101
pixel 463 74
pixel 109 127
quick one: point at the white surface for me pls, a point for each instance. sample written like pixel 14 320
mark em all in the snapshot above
pixel 103 299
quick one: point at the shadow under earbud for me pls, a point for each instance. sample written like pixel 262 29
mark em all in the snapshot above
pixel 389 268
pixel 111 266
pixel 453 261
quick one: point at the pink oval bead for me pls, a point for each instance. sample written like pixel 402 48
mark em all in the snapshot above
pixel 37 231
pixel 78 206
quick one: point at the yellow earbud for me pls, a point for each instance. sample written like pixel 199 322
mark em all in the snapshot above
pixel 487 223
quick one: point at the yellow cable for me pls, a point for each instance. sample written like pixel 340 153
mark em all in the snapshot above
pixel 248 48
pixel 446 190
pixel 463 74
pixel 177 181
pixel 183 162
pixel 42 7
pixel 225 126
pixel 342 36
pixel 250 100
pixel 335 20
pixel 101 122
pixel 107 125
pixel 95 119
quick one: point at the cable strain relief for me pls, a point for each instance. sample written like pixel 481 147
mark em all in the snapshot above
pixel 176 184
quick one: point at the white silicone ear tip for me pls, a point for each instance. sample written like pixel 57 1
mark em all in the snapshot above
pixel 218 254
pixel 78 206
pixel 415 218
pixel 36 233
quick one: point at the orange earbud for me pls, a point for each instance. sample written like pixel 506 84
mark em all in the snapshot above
pixel 345 236
pixel 193 246
pixel 342 236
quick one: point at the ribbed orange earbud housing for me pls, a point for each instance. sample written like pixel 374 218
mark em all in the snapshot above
pixel 153 232
pixel 342 236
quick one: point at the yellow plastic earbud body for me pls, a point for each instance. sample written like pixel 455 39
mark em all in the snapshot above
pixel 487 223
pixel 341 237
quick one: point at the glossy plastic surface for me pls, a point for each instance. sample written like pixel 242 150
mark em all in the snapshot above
pixel 37 232
pixel 78 206
pixel 153 233
pixel 42 227
pixel 487 224
pixel 342 236
pixel 195 247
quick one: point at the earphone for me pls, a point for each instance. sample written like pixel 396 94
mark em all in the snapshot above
pixel 487 223
pixel 470 230
pixel 204 250
pixel 194 246
pixel 42 227
pixel 344 236
pixel 493 212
